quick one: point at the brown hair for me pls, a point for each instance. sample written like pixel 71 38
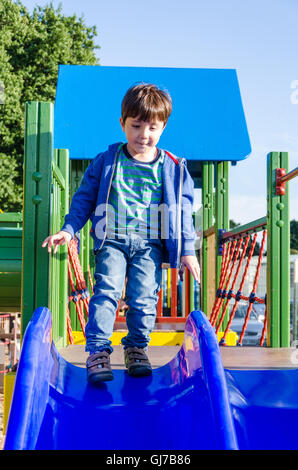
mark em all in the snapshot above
pixel 148 102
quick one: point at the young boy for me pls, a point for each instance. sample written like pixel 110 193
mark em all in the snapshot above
pixel 139 199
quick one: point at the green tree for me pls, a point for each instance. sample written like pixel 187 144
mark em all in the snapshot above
pixel 31 49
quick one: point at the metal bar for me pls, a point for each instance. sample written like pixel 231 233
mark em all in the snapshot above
pixel 289 176
pixel 254 226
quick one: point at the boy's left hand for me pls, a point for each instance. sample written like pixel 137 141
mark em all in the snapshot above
pixel 190 262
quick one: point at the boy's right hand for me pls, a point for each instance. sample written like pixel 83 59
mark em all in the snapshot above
pixel 60 238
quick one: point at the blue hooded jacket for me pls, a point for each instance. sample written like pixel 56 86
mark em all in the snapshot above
pixel 91 199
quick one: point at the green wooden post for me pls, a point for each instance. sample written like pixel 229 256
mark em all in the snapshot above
pixel 284 260
pixel 278 249
pixel 86 253
pixel 59 274
pixel 208 217
pixel 273 254
pixel 76 174
pixel 221 212
pixel 222 205
pixel 36 212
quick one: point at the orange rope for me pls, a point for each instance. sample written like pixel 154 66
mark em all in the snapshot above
pixel 224 270
pixel 69 330
pixel 238 295
pixel 90 278
pixel 231 294
pixel 222 296
pixel 75 296
pixel 227 286
pixel 256 280
pixel 81 283
pixel 223 264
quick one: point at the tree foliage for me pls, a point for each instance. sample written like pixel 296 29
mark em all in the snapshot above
pixel 31 49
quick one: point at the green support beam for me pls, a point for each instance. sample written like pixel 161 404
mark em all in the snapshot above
pixel 221 213
pixel 278 252
pixel 59 273
pixel 208 220
pixel 46 199
pixel 36 212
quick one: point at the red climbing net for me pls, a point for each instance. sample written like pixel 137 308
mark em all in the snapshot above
pixel 233 255
pixel 79 292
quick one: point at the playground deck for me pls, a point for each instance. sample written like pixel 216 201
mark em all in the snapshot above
pixel 233 357
pixel 158 355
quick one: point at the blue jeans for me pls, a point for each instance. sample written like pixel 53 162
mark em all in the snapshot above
pixel 140 261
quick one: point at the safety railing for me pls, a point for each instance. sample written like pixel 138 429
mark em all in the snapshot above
pixel 234 249
pixel 235 253
pixel 58 267
pixel 46 194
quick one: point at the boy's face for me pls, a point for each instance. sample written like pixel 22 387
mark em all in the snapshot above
pixel 142 136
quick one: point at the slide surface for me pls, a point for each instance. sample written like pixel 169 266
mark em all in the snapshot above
pixel 190 403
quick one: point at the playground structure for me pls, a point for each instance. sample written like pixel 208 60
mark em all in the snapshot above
pixel 50 178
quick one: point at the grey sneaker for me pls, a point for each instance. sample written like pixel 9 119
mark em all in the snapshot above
pixel 99 368
pixel 137 362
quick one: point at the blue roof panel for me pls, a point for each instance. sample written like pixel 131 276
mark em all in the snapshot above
pixel 207 122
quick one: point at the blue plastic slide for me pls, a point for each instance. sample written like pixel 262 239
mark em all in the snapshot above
pixel 190 403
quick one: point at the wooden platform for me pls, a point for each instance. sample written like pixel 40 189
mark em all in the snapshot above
pixel 233 357
pixel 158 355
pixel 259 358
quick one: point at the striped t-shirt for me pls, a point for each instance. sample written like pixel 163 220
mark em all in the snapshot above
pixel 135 194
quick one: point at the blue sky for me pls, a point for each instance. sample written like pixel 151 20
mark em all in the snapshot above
pixel 258 38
